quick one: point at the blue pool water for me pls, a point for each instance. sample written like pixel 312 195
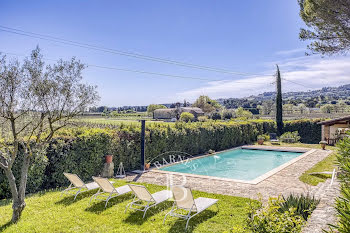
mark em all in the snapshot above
pixel 240 164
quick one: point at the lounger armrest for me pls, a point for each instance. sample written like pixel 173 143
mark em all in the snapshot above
pixel 91 185
pixel 203 203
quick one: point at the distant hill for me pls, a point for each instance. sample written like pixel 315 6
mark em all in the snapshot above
pixel 322 96
pixel 341 92
pixel 311 99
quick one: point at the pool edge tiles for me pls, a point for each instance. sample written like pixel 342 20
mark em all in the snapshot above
pixel 305 152
pixel 242 164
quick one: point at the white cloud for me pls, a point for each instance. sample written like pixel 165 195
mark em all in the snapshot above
pixel 309 72
pixel 290 51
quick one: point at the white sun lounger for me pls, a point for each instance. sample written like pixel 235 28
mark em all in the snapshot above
pixel 183 199
pixel 142 194
pixel 107 190
pixel 334 174
pixel 77 184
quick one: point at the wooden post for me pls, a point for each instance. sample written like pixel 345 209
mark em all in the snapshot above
pixel 143 126
pixel 323 136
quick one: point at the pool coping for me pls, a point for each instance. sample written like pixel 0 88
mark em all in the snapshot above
pixel 305 151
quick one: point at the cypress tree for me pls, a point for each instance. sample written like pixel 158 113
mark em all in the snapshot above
pixel 279 111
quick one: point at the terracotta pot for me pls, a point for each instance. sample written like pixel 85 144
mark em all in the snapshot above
pixel 260 141
pixel 323 146
pixel 147 166
pixel 109 158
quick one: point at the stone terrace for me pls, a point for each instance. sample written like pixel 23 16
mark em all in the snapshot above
pixel 283 182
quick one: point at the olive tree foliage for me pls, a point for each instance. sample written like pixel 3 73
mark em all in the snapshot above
pixel 328 24
pixel 36 100
pixel 206 104
pixel 267 107
pixel 152 107
pixel 240 112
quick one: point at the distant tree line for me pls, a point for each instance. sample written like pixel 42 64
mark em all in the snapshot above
pixel 118 109
pixel 324 104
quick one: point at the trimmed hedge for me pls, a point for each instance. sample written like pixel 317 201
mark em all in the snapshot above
pixel 309 130
pixel 81 150
pixel 80 153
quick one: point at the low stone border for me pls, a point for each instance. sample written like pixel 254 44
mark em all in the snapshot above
pixel 325 212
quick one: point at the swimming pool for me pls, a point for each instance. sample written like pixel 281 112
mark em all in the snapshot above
pixel 237 164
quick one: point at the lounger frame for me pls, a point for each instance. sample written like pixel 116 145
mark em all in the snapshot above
pixel 72 186
pixel 188 216
pixel 138 202
pixel 100 193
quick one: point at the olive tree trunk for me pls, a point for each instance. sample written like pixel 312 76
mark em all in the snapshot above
pixel 18 194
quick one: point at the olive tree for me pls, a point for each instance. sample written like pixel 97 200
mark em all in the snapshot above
pixel 152 107
pixel 36 100
pixel 206 104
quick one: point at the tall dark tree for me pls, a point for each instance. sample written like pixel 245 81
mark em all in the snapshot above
pixel 328 22
pixel 279 110
pixel 186 104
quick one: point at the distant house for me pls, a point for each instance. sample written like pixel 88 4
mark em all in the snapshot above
pixel 197 112
pixel 335 129
pixel 164 114
pixel 171 113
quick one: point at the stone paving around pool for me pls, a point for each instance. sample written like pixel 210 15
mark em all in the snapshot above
pixel 283 182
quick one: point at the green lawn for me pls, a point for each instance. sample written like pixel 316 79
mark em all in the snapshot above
pixel 327 164
pixel 48 212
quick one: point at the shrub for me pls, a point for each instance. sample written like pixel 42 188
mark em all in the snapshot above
pixel 304 205
pixel 267 137
pixel 290 135
pixel 186 117
pixel 240 112
pixel 343 202
pixel 203 118
pixel 269 219
pixel 211 151
pixel 227 114
pixel 215 115
pixel 309 130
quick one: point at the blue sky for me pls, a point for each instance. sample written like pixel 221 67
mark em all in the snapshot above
pixel 246 36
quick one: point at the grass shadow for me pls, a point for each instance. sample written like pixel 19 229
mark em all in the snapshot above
pixel 180 224
pixel 135 217
pixel 99 206
pixel 6 225
pixel 5 202
pixel 137 177
pixel 68 200
pixel 322 176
